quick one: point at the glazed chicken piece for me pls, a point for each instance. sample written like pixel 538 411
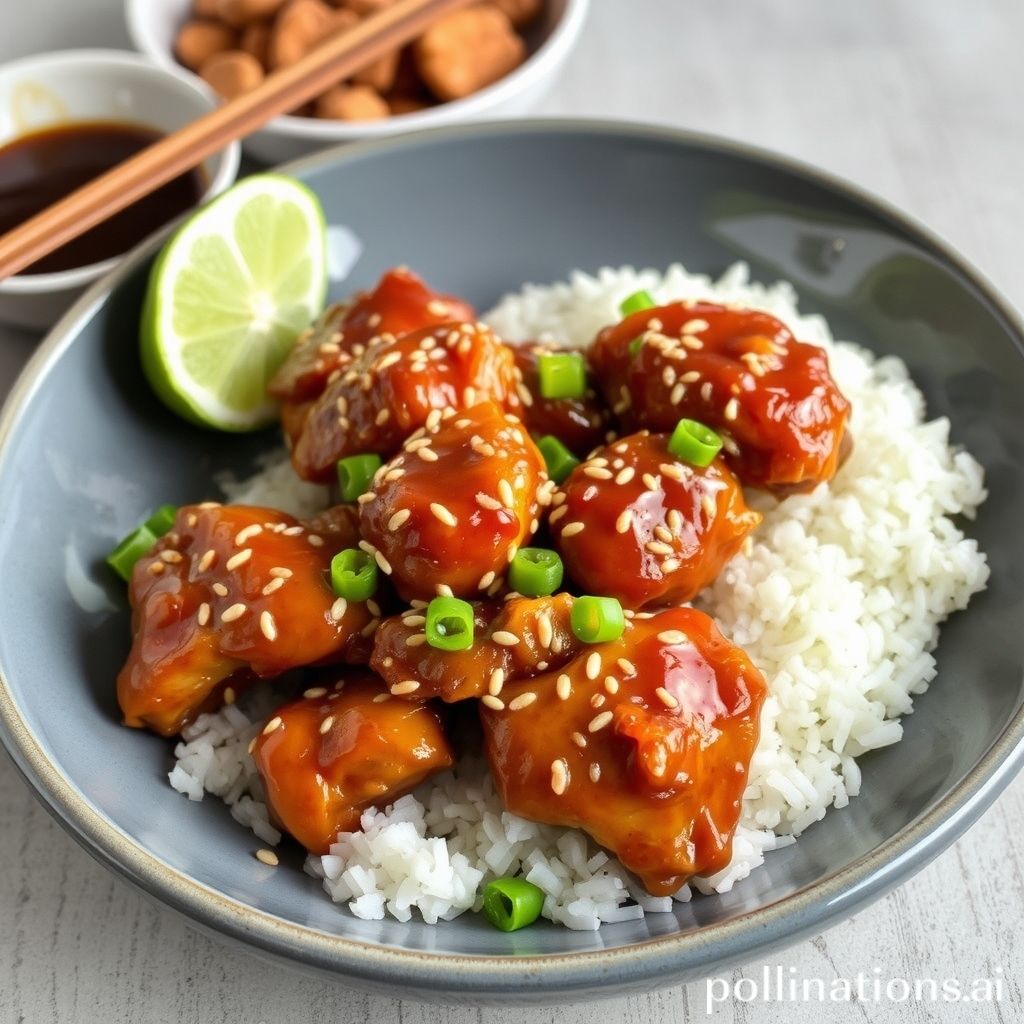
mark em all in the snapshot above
pixel 644 743
pixel 513 640
pixel 579 423
pixel 231 593
pixel 634 522
pixel 740 372
pixel 389 391
pixel 449 512
pixel 327 757
pixel 401 302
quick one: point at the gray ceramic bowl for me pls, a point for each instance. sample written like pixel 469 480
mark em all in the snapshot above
pixel 86 451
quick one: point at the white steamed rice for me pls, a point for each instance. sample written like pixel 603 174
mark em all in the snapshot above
pixel 838 601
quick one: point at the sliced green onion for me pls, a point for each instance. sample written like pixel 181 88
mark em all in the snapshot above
pixel 161 521
pixel 353 575
pixel 634 347
pixel 560 461
pixel 635 302
pixel 355 474
pixel 449 624
pixel 535 572
pixel 694 443
pixel 123 558
pixel 562 375
pixel 512 903
pixel 596 620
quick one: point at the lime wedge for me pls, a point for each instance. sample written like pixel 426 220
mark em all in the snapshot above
pixel 228 295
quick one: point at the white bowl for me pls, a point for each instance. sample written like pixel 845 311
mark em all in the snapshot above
pixel 93 85
pixel 154 24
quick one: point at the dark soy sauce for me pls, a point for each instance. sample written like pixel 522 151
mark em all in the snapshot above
pixel 38 169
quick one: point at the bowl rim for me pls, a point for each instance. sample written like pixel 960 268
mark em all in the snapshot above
pixel 659 960
pixel 121 65
pixel 551 52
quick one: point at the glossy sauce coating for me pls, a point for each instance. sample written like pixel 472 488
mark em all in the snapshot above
pixel 451 509
pixel 636 523
pixel 543 641
pixel 233 589
pixel 579 423
pixel 401 302
pixel 738 371
pixel 647 751
pixel 391 389
pixel 324 759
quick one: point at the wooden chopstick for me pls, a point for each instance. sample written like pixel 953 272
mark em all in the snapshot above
pixel 285 90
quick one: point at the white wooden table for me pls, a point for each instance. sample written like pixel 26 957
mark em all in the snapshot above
pixel 922 102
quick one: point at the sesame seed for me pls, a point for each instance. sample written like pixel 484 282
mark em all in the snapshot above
pixel 292 531
pixel 236 611
pixel 545 634
pixel 281 573
pixel 695 326
pixel 497 681
pixel 192 519
pixel 706 391
pixel 595 772
pixel 579 739
pixel 557 514
pixel 673 472
pixel 240 559
pixel 325 725
pixel 315 691
pixel 666 698
pixel 559 776
pixel 463 423
pixel 412 620
pixel 597 473
pixel 672 636
pixel 388 360
pixel 485 581
pixel 571 529
pixel 274 584
pixel 663 533
pixel 657 547
pixel 486 501
pixel 416 640
pixel 220 590
pixel 338 609
pixel 381 698
pixel 252 745
pixel 625 475
pixel 627 666
pixel 441 512
pixel 268 627
pixel 494 703
pixel 316 540
pixel 203 615
pixel 443 590
pixel 732 408
pixel 707 502
pixel 524 700
pixel 597 701
pixel 250 531
pixel 505 638
pixel 416 443
pixel 267 857
pixel 593 665
pixel 563 687
pixel 678 394
pixel 370 628
pixel 207 560
pixel 398 518
pixel 611 684
pixel 272 725
pixel 385 565
pixel 651 482
pixel 506 494
pixel 406 686
pixel 598 722
pixel 171 556
pixel 427 454
pixel 469 396
pixel 394 474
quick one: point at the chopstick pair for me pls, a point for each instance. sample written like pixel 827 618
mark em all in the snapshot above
pixel 285 90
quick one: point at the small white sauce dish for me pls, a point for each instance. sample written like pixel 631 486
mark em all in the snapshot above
pixel 93 85
pixel 154 25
